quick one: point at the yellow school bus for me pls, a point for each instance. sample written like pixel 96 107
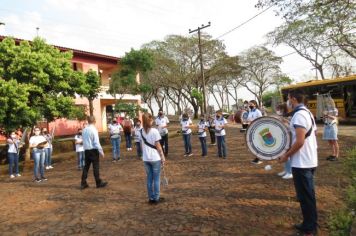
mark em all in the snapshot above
pixel 342 90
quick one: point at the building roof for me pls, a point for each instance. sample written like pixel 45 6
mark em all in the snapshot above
pixel 76 52
pixel 321 82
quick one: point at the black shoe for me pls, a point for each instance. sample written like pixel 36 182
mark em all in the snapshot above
pixel 161 199
pixel 299 227
pixel 329 157
pixel 102 185
pixel 334 158
pixel 43 178
pixel 84 186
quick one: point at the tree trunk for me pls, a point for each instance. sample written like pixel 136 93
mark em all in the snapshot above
pixel 91 107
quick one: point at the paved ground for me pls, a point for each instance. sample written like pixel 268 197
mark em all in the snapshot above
pixel 204 197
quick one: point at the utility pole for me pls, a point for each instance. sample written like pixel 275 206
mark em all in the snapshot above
pixel 201 61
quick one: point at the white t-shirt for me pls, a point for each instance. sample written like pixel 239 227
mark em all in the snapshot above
pixel 36 139
pixel 162 121
pixel 148 153
pixel 185 124
pixel 79 147
pixel 307 156
pixel 254 114
pixel 202 125
pixel 220 131
pixel 12 147
pixel 115 130
pixel 137 134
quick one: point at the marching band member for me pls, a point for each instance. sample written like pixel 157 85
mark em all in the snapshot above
pixel 253 114
pixel 304 160
pixel 161 123
pixel 38 143
pixel 186 124
pixel 211 128
pixel 14 146
pixel 220 123
pixel 202 125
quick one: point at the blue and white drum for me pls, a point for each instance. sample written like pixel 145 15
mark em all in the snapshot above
pixel 268 137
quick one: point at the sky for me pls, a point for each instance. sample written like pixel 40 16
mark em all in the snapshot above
pixel 113 27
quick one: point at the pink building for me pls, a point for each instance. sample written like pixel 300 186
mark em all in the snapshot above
pixel 105 66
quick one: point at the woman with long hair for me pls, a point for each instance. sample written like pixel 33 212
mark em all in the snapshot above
pixel 153 158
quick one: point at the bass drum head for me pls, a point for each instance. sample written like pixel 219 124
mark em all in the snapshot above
pixel 268 138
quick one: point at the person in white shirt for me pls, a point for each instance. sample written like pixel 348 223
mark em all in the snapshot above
pixel 137 136
pixel 92 149
pixel 14 146
pixel 202 127
pixel 304 160
pixel 186 124
pixel 162 123
pixel 153 158
pixel 115 131
pixel 220 133
pixel 48 149
pixel 38 143
pixel 211 129
pixel 79 149
pixel 253 114
pixel 330 133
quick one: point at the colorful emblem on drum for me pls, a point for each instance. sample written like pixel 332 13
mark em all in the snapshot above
pixel 267 137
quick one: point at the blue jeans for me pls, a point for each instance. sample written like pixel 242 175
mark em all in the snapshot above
pixel 139 149
pixel 115 148
pixel 221 146
pixel 153 172
pixel 204 149
pixel 80 159
pixel 288 167
pixel 39 159
pixel 187 144
pixel 48 153
pixel 128 140
pixel 304 186
pixel 13 160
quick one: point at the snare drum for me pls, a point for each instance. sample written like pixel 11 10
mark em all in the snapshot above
pixel 268 137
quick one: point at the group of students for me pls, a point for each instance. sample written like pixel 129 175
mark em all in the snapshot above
pixel 41 144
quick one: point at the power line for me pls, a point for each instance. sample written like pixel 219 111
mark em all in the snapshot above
pixel 243 23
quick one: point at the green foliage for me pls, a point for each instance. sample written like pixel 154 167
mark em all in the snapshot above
pixel 37 81
pixel 197 95
pixel 91 86
pixel 130 109
pixel 267 97
pixel 340 222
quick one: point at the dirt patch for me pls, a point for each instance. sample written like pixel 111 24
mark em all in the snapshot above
pixel 205 196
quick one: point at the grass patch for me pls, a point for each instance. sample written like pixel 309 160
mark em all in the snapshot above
pixel 340 221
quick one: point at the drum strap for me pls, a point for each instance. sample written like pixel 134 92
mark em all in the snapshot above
pixel 313 123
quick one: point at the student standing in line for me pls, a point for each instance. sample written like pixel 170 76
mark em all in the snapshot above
pixel 220 133
pixel 127 126
pixel 79 149
pixel 202 126
pixel 153 158
pixel 115 130
pixel 38 143
pixel 48 149
pixel 253 114
pixel 12 153
pixel 186 124
pixel 137 135
pixel 162 123
pixel 211 128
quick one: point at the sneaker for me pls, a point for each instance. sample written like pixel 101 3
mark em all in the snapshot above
pixel 113 161
pixel 102 184
pixel 44 178
pixel 50 167
pixel 281 173
pixel 84 186
pixel 329 157
pixel 47 167
pixel 185 155
pixel 256 161
pixel 190 154
pixel 37 180
pixel 287 176
pixel 12 176
pixel 18 175
pixel 161 199
pixel 334 158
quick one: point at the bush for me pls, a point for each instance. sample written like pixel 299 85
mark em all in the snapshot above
pixel 340 223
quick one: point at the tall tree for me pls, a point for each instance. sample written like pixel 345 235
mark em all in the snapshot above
pixel 91 88
pixel 260 70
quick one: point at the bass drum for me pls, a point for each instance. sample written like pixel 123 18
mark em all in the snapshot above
pixel 268 137
pixel 240 115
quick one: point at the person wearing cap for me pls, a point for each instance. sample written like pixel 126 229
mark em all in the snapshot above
pixel 220 133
